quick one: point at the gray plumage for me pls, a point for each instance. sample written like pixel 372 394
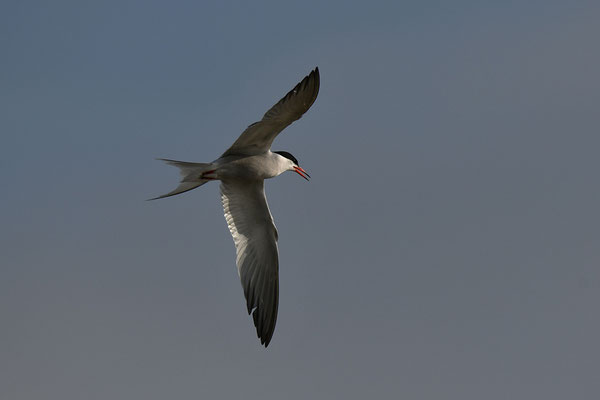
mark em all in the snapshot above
pixel 242 170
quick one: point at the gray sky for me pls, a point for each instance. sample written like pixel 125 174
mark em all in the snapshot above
pixel 447 246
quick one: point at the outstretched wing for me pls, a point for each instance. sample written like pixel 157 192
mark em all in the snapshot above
pixel 255 237
pixel 257 138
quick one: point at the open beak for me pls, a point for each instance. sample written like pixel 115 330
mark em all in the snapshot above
pixel 300 171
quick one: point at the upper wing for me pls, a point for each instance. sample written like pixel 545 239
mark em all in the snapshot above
pixel 255 237
pixel 257 138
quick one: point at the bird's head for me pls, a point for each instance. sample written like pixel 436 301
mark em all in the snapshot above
pixel 293 164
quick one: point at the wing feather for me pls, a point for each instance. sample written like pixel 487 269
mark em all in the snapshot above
pixel 259 136
pixel 255 236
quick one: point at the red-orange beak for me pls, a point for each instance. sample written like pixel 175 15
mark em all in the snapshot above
pixel 300 171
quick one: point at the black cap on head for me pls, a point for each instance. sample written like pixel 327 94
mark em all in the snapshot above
pixel 288 156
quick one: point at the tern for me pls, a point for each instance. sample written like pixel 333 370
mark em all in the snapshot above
pixel 242 170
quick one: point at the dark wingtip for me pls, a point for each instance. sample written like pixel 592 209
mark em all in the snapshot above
pixel 264 329
pixel 316 84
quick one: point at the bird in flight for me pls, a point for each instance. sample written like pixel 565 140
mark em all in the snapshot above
pixel 242 170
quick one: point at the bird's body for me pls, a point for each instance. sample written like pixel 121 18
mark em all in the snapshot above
pixel 242 170
pixel 261 166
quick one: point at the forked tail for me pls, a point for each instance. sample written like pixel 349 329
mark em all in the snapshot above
pixel 190 176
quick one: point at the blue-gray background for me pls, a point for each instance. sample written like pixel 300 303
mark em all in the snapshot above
pixel 447 246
